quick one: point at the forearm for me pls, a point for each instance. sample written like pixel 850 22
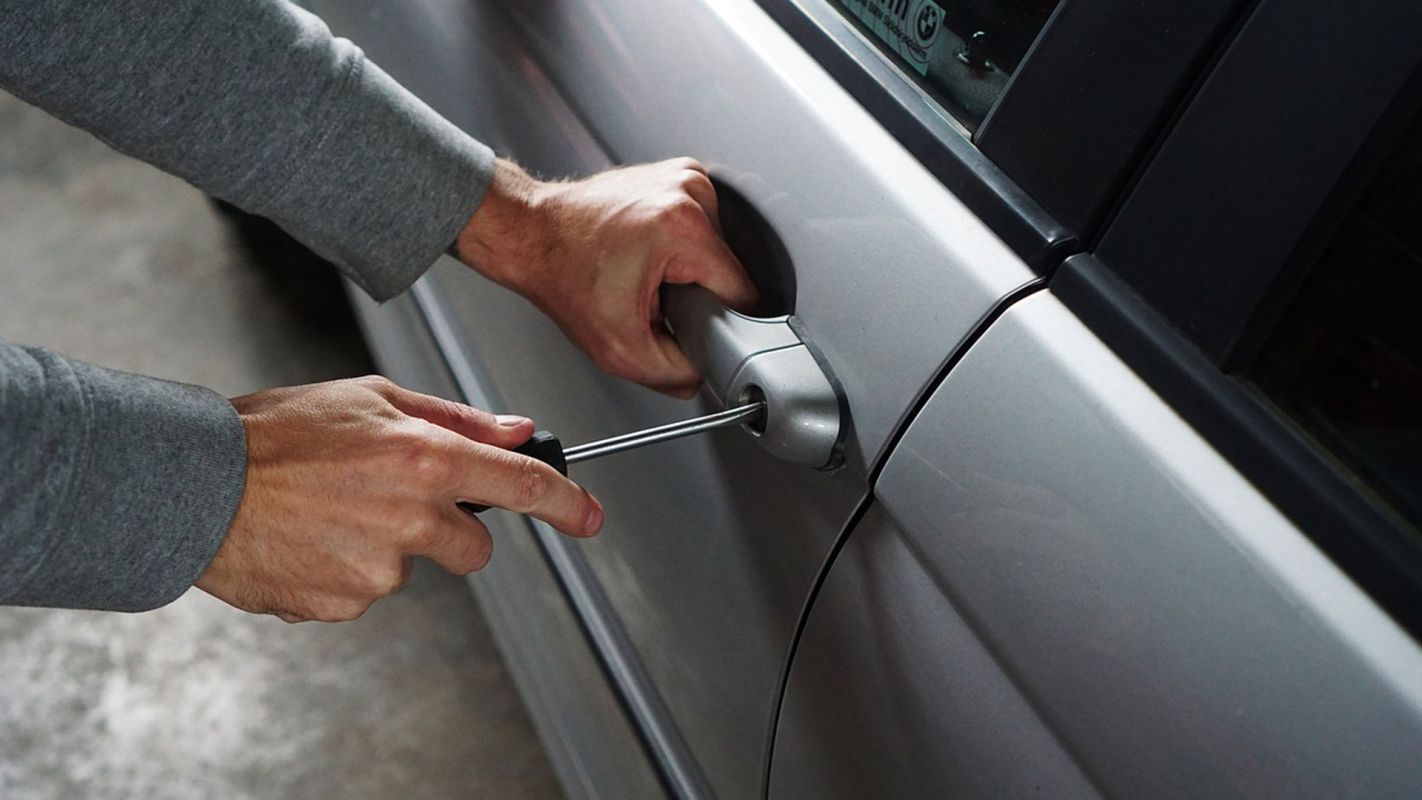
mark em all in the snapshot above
pixel 254 101
pixel 116 490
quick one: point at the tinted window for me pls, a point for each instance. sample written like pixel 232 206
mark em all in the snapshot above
pixel 1346 362
pixel 961 51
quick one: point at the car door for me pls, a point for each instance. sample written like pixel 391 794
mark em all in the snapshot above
pixel 1156 534
pixel 713 544
pixel 887 200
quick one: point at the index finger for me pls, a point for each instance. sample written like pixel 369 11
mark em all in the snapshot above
pixel 493 476
pixel 708 261
pixel 506 430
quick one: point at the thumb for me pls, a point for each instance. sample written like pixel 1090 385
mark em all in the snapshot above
pixel 503 430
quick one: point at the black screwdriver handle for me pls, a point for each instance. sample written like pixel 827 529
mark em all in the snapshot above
pixel 543 446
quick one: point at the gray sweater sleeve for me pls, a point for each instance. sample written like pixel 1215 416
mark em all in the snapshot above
pixel 255 101
pixel 116 490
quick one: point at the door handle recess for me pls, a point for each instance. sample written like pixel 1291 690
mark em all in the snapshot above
pixel 744 359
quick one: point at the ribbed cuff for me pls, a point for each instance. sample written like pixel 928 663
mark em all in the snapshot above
pixel 157 474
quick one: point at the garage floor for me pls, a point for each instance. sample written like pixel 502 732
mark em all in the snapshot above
pixel 107 260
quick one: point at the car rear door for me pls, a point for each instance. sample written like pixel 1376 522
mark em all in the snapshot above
pixel 1158 533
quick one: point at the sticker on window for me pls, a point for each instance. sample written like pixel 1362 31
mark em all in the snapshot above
pixel 909 27
pixel 962 53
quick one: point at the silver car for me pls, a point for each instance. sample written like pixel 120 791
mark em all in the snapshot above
pixel 1093 456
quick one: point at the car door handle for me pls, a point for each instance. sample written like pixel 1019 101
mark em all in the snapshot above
pixel 745 359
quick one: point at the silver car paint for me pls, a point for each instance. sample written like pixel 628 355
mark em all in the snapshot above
pixel 712 544
pixel 892 694
pixel 1180 636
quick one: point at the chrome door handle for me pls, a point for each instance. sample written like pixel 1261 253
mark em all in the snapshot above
pixel 744 359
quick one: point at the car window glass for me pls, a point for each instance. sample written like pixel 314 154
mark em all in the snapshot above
pixel 1346 360
pixel 961 51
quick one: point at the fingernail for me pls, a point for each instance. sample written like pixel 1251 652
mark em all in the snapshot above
pixel 593 523
pixel 511 420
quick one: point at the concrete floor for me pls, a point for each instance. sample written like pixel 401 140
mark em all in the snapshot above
pixel 107 260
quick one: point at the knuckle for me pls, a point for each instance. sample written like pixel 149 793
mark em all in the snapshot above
pixel 372 577
pixel 618 361
pixel 610 351
pixel 348 610
pixel 682 211
pixel 376 383
pixel 422 460
pixel 474 416
pixel 533 484
pixel 692 181
pixel 384 581
pixel 420 535
pixel 337 609
pixel 437 467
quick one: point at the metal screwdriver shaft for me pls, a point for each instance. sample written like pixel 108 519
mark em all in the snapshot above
pixel 663 433
pixel 545 447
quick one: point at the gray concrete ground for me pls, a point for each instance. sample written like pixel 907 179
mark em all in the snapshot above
pixel 107 260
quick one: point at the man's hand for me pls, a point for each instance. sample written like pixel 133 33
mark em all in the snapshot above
pixel 593 254
pixel 347 481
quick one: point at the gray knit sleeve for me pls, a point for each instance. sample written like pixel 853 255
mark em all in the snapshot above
pixel 115 490
pixel 255 101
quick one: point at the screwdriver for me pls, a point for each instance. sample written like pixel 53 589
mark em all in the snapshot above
pixel 546 447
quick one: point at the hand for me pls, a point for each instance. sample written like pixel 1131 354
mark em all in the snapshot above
pixel 346 481
pixel 593 254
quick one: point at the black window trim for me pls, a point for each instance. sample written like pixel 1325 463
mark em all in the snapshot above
pixel 1101 83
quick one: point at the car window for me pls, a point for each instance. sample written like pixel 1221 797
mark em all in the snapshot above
pixel 1346 360
pixel 1264 269
pixel 961 51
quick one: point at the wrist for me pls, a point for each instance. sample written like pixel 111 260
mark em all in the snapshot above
pixel 508 235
